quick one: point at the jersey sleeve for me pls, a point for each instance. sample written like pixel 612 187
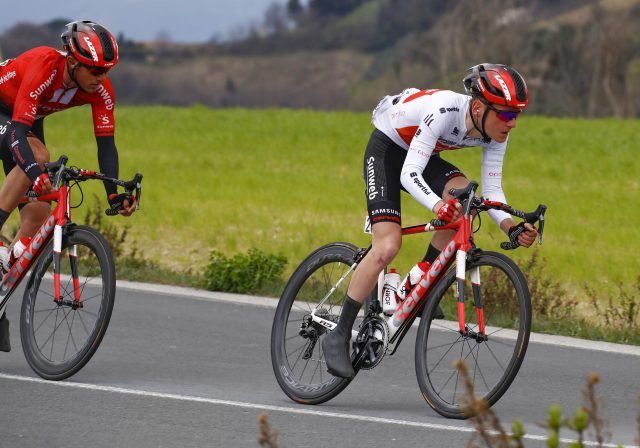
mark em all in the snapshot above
pixel 102 106
pixel 492 163
pixel 420 150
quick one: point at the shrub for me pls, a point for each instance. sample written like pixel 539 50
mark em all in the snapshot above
pixel 252 272
pixel 623 308
pixel 547 297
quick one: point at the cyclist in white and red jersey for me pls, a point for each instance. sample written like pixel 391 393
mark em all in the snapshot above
pixel 35 84
pixel 411 130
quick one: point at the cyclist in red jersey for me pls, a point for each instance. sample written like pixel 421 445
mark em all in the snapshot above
pixel 35 84
pixel 412 128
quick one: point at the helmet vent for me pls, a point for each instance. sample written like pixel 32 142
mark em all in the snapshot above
pixel 107 46
pixel 521 90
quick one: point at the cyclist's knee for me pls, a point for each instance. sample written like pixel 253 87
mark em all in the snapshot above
pixel 456 182
pixel 33 215
pixel 385 250
pixel 40 151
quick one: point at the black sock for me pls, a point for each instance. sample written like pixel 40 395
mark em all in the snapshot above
pixel 431 255
pixel 3 217
pixel 349 313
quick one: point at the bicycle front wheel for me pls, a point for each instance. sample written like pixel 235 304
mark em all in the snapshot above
pixel 492 359
pixel 296 349
pixel 59 338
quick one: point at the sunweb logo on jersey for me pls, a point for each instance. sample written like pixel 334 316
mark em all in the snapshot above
pixel 505 89
pixel 372 191
pixel 92 49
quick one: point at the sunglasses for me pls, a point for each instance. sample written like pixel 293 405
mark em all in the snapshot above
pixel 505 115
pixel 97 71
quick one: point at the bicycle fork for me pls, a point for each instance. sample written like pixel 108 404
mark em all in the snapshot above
pixel 73 261
pixel 461 268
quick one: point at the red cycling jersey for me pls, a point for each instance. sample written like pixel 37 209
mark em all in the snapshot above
pixel 31 87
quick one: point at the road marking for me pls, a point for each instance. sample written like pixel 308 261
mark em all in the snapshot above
pixel 266 407
pixel 268 302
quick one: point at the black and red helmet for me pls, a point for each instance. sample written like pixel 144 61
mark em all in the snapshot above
pixel 91 44
pixel 497 84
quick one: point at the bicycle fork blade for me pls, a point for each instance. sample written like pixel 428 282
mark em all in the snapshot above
pixel 477 298
pixel 461 265
pixel 73 262
pixel 57 248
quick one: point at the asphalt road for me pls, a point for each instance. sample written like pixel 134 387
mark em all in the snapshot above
pixel 181 368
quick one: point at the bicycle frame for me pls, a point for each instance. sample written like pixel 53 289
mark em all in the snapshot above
pixel 54 227
pixel 461 244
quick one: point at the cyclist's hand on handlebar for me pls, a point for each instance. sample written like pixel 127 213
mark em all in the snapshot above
pixel 524 233
pixel 449 211
pixel 123 203
pixel 42 185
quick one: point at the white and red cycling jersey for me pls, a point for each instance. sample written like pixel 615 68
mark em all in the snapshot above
pixel 426 122
pixel 31 87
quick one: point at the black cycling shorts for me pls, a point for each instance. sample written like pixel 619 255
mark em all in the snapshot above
pixel 5 144
pixel 383 160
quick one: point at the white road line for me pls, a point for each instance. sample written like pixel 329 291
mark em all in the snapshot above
pixel 268 302
pixel 266 407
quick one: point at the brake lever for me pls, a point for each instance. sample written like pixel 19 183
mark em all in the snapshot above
pixel 541 225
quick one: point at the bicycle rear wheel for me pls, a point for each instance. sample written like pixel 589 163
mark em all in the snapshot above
pixel 492 363
pixel 296 349
pixel 59 339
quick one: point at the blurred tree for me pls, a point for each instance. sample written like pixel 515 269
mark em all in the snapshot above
pixel 334 7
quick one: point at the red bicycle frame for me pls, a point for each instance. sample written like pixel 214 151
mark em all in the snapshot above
pixel 460 244
pixel 53 227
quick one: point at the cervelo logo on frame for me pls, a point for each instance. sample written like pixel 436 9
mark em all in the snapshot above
pixel 402 313
pixel 26 257
pixel 505 89
pixel 94 53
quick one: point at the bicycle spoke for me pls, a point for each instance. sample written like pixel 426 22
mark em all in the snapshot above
pixel 495 357
pixel 477 367
pixel 445 354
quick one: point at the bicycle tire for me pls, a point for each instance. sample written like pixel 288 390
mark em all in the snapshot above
pixel 496 361
pixel 81 329
pixel 311 281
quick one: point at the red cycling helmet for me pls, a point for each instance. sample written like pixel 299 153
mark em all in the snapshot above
pixel 497 84
pixel 91 44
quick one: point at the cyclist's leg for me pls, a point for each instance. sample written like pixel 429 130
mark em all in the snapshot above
pixel 382 163
pixel 385 244
pixel 16 185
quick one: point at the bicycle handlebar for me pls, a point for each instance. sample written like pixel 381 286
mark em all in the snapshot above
pixel 467 196
pixel 59 172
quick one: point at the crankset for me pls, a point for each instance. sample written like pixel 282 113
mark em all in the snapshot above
pixel 371 343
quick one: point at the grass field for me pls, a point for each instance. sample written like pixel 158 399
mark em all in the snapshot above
pixel 288 181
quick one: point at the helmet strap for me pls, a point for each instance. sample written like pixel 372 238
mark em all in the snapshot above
pixel 72 74
pixel 481 130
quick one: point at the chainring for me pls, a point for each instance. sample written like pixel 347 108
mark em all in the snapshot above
pixel 373 336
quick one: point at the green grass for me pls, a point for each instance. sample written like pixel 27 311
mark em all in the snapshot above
pixel 288 181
